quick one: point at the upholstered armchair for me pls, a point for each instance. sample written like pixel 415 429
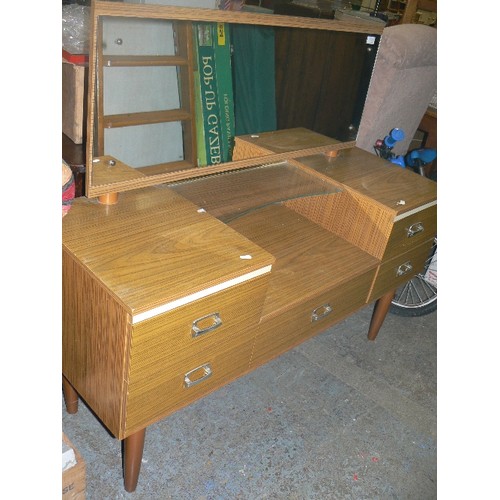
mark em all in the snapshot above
pixel 403 84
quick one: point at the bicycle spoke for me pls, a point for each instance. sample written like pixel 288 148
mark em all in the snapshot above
pixel 418 294
pixel 415 293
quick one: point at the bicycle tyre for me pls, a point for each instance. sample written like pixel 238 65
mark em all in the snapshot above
pixel 418 296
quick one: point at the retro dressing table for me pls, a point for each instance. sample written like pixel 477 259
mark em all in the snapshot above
pixel 179 279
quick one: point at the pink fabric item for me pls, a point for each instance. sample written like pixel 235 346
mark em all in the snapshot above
pixel 68 188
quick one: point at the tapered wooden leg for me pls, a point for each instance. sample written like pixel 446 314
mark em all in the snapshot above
pixel 70 396
pixel 133 447
pixel 379 313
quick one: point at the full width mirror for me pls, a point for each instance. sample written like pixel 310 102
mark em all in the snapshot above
pixel 171 87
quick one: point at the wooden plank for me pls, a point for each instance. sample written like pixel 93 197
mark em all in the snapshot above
pixel 145 118
pixel 74 100
pixel 378 180
pixel 108 169
pixel 309 259
pixel 226 16
pixel 184 49
pixel 128 61
pixel 97 190
pixel 153 238
pixel 95 371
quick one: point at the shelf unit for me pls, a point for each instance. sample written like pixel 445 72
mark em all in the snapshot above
pixel 183 61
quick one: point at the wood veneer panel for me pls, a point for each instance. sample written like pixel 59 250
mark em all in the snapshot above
pixel 354 218
pixel 168 394
pixel 108 169
pixel 375 178
pixel 143 60
pixel 284 331
pixel 163 350
pixel 187 83
pixel 400 242
pixel 226 16
pixel 145 181
pixel 309 259
pixel 280 141
pixel 235 193
pixel 94 343
pixel 146 117
pixel 158 241
pixel 348 166
pixel 387 278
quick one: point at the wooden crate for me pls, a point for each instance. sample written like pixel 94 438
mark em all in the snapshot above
pixel 74 92
pixel 73 479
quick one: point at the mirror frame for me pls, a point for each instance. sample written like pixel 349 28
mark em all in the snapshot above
pixel 131 180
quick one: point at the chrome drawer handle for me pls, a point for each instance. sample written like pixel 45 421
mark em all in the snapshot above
pixel 207 371
pixel 414 229
pixel 197 330
pixel 404 269
pixel 320 312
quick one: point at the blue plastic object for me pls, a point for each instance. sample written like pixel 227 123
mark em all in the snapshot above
pixel 421 156
pixel 398 160
pixel 395 135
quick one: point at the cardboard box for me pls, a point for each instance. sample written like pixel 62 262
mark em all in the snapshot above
pixel 73 475
pixel 74 100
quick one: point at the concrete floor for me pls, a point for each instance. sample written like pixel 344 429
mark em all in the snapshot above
pixel 339 417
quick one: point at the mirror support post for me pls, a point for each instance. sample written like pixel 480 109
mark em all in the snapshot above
pixel 108 199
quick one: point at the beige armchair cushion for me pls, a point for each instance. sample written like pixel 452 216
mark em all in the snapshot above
pixel 402 85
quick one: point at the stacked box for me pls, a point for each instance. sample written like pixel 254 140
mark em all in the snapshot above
pixel 74 90
pixel 73 473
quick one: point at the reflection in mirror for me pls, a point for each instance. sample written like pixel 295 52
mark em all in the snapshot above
pixel 238 193
pixel 146 89
pixel 173 86
pixel 145 120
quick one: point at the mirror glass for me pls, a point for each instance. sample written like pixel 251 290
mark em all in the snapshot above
pixel 172 87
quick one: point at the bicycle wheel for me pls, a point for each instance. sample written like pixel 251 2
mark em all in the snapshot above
pixel 418 296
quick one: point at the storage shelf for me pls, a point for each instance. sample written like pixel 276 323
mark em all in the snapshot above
pixel 129 61
pixel 145 118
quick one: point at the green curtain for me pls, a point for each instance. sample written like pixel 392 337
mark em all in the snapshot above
pixel 253 79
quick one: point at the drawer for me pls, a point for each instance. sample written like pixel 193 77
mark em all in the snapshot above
pixel 393 273
pixel 185 380
pixel 173 343
pixel 411 231
pixel 279 333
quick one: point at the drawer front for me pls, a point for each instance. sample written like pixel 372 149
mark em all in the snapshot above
pixel 170 345
pixel 280 333
pixel 412 231
pixel 185 380
pixel 395 272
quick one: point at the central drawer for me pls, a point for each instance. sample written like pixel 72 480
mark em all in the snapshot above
pixel 182 355
pixel 281 332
